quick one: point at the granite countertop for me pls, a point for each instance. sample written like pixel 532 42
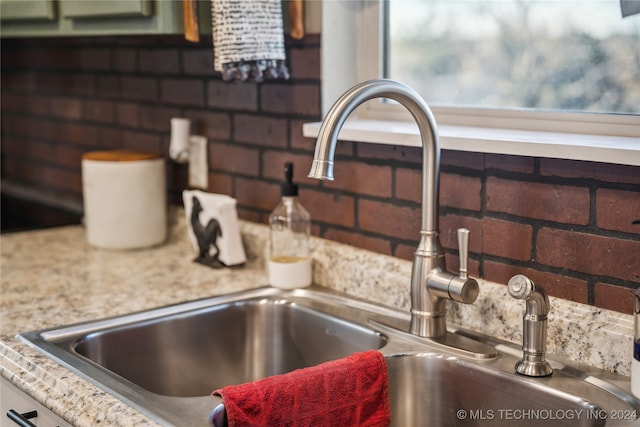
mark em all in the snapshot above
pixel 53 277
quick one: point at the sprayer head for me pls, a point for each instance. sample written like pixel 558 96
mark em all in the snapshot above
pixel 520 287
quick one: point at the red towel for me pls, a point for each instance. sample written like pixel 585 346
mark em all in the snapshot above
pixel 348 392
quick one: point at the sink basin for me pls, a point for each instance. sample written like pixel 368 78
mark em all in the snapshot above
pixel 165 362
pixel 434 390
pixel 192 353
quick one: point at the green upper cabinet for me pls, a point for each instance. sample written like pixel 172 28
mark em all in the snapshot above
pixel 27 10
pixel 34 18
pixel 78 9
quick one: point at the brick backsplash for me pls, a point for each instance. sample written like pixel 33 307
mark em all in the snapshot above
pixel 570 225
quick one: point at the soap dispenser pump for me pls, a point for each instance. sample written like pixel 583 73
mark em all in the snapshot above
pixel 289 260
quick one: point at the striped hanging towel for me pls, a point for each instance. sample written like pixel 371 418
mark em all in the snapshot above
pixel 248 40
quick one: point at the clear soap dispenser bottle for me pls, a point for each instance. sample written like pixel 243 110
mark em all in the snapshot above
pixel 289 264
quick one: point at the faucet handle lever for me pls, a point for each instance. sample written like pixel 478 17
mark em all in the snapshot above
pixel 463 251
pixel 462 288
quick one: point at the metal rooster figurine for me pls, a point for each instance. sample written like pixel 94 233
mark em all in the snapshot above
pixel 206 237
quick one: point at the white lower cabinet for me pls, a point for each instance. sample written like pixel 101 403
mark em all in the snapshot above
pixel 14 399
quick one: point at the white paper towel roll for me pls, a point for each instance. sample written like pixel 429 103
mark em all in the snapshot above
pixel 124 199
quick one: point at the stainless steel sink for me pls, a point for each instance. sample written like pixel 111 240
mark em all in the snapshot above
pixel 165 362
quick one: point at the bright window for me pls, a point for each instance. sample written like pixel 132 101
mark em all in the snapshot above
pixel 544 78
pixel 558 55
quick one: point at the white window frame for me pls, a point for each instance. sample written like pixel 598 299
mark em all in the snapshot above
pixel 351 53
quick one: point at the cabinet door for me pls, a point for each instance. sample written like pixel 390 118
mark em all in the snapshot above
pixel 27 10
pixel 79 9
pixel 104 18
pixel 19 401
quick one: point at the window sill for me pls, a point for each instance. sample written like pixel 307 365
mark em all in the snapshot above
pixel 571 146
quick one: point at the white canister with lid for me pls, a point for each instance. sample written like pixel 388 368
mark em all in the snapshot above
pixel 124 199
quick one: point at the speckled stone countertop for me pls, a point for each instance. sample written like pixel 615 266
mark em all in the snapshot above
pixel 53 277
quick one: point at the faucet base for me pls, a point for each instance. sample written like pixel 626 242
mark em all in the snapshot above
pixel 428 325
pixel 452 342
pixel 533 369
pixel 466 346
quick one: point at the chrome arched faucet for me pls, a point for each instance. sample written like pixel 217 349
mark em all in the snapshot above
pixel 431 284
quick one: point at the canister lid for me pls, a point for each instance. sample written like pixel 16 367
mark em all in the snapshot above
pixel 120 156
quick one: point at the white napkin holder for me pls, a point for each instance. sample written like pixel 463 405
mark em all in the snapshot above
pixel 217 219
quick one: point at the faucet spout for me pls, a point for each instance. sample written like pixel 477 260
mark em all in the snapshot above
pixel 431 284
pixel 322 166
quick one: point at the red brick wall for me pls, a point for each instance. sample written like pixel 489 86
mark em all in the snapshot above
pixel 567 224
